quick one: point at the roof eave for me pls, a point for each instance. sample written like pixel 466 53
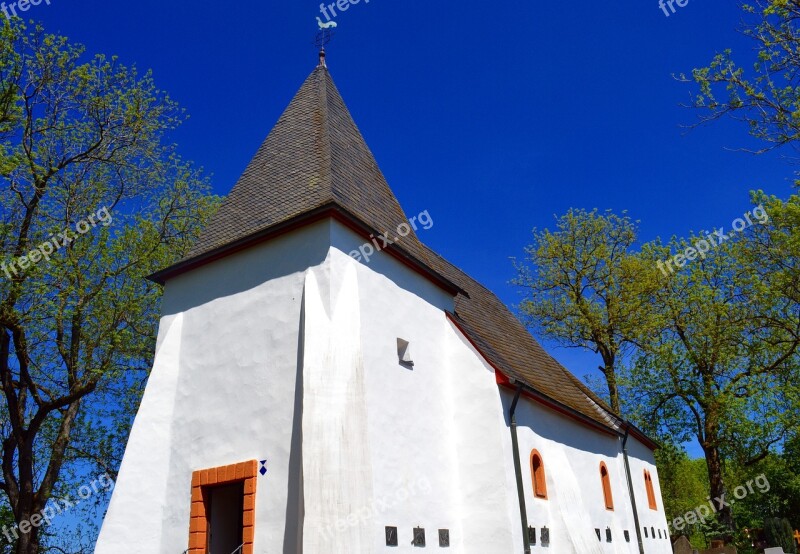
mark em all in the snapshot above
pixel 331 209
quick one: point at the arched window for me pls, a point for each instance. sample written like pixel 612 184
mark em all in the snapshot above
pixel 606 479
pixel 651 492
pixel 538 475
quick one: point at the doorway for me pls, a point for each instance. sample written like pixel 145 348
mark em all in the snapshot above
pixel 225 503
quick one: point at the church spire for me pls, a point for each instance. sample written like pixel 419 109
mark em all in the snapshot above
pixel 315 156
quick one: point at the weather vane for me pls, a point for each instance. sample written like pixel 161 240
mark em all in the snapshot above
pixel 324 36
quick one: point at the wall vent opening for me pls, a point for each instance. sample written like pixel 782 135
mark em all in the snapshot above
pixel 404 353
pixel 419 536
pixel 391 536
pixel 545 536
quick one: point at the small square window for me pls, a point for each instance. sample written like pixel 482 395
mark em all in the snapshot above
pixel 531 535
pixel 444 537
pixel 597 531
pixel 627 536
pixel 608 534
pixel 545 536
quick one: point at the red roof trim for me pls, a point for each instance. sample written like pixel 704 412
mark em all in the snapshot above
pixel 504 381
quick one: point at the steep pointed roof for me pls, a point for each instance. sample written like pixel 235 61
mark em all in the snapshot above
pixel 315 156
pixel 316 163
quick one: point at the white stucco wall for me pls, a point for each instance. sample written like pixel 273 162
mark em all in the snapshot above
pixel 575 507
pixel 432 427
pixel 136 510
pixel 425 446
pixel 222 392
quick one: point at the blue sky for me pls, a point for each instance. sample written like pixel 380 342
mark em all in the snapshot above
pixel 491 116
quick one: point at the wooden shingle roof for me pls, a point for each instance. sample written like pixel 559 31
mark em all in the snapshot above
pixel 315 157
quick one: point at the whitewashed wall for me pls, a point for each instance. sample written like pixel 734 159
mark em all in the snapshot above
pixel 433 427
pixel 575 506
pixel 429 447
pixel 224 392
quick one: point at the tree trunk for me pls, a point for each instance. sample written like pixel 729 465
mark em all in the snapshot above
pixel 613 390
pixel 719 493
pixel 26 506
pixel 28 543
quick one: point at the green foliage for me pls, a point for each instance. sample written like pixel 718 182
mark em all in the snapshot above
pixel 722 365
pixel 780 471
pixel 780 534
pixel 712 347
pixel 761 90
pixel 583 287
pixel 79 139
pixel 684 481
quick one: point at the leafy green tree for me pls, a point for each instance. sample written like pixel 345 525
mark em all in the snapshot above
pixel 788 481
pixel 723 365
pixel 684 481
pixel 763 92
pixel 715 343
pixel 93 200
pixel 583 287
pixel 779 534
pixel 776 491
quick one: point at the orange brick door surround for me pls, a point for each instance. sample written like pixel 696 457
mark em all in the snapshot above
pixel 202 481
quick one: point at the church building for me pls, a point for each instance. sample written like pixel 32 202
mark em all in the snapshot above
pixel 324 383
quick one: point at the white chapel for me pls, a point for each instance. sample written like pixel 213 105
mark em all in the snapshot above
pixel 306 399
